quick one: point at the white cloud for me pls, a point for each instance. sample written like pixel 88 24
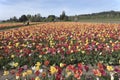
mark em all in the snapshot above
pixel 10 8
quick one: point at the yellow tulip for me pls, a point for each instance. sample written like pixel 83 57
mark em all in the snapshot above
pixel 29 72
pixel 9 43
pixel 40 56
pixel 24 74
pixel 37 68
pixel 15 64
pixel 53 70
pixel 17 77
pixel 17 44
pixel 83 52
pixel 62 65
pixel 68 74
pixel 6 73
pixel 9 47
pixel 37 78
pixel 38 64
pixel 12 56
pixel 110 68
pixel 33 43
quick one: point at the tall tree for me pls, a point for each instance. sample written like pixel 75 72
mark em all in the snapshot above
pixel 23 19
pixel 15 19
pixel 29 17
pixel 36 18
pixel 63 16
pixel 51 18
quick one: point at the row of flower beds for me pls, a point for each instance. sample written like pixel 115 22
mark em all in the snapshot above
pixel 61 51
pixel 8 25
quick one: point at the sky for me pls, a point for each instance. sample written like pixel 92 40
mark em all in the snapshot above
pixel 10 8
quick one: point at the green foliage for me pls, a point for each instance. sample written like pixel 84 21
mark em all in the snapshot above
pixel 63 16
pixel 74 58
pixel 51 18
pixel 23 18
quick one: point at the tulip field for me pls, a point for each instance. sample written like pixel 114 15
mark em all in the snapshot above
pixel 7 25
pixel 61 51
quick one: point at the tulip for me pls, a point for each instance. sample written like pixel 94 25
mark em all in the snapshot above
pixel 62 65
pixel 6 73
pixel 24 74
pixel 112 75
pixel 37 73
pixel 29 72
pixel 37 68
pixel 110 68
pixel 15 64
pixel 46 63
pixel 96 72
pixel 37 78
pixel 43 74
pixel 17 44
pixel 12 56
pixel 38 64
pixel 86 68
pixel 68 74
pixel 17 75
pixel 53 70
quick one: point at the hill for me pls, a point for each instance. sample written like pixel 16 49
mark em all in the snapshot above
pixel 106 16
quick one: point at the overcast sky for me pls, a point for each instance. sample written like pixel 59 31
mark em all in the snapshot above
pixel 10 8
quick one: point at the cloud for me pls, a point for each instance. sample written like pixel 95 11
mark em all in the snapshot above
pixel 9 8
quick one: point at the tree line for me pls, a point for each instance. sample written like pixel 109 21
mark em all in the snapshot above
pixel 64 17
pixel 39 18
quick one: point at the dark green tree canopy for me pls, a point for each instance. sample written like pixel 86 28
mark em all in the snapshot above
pixel 51 18
pixel 63 16
pixel 23 18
